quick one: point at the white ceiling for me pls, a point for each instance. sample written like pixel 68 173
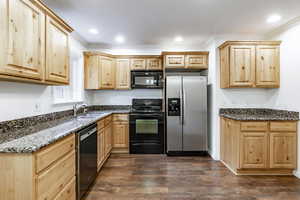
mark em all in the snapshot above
pixel 157 22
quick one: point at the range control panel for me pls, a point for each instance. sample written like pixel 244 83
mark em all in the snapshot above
pixel 173 106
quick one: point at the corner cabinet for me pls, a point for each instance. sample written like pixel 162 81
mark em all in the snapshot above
pixel 250 64
pixel 99 72
pixel 186 60
pixel 35 43
pixel 259 147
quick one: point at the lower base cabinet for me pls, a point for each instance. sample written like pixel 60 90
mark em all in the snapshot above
pixel 120 133
pixel 46 174
pixel 258 148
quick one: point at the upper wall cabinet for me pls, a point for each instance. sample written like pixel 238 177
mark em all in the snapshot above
pixel 27 29
pixel 138 64
pixel 154 64
pixel 57 52
pixel 186 60
pixel 250 64
pixel 99 71
pixel 123 74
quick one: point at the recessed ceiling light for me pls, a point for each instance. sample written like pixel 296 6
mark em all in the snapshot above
pixel 120 39
pixel 178 39
pixel 274 18
pixel 93 31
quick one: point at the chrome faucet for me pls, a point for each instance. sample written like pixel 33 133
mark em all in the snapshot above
pixel 76 107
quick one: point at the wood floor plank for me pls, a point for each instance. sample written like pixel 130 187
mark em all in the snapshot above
pixel 158 177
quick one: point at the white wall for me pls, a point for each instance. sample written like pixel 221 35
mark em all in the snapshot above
pixel 18 100
pixel 118 97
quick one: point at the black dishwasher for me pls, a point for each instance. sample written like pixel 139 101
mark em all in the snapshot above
pixel 87 158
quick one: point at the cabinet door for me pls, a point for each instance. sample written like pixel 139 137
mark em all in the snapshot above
pixel 174 61
pixel 138 64
pixel 103 147
pixel 196 61
pixel 120 135
pixel 267 66
pixel 154 64
pixel 22 48
pixel 283 150
pixel 107 73
pixel 99 150
pixel 91 70
pixel 57 52
pixel 254 150
pixel 123 74
pixel 242 66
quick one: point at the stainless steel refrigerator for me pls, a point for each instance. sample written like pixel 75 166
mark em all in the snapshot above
pixel 186 111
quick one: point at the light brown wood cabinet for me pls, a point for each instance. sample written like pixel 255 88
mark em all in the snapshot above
pixel 99 72
pixel 154 64
pixel 123 74
pixel 104 136
pixel 138 64
pixel 186 60
pixel 120 133
pixel 46 174
pixel 250 64
pixel 57 52
pixel 255 147
pixel 107 73
pixel 35 43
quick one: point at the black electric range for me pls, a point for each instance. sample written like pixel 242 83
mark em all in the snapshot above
pixel 147 126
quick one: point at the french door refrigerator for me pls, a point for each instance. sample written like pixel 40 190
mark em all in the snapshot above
pixel 186 111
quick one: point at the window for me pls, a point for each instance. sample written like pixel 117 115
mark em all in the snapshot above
pixel 73 92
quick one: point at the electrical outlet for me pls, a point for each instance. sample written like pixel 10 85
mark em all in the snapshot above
pixel 37 107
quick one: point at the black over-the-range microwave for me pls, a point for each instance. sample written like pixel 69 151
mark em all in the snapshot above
pixel 147 79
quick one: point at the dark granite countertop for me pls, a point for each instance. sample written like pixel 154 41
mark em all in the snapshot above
pixel 32 138
pixel 258 114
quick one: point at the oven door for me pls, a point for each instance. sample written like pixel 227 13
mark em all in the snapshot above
pixel 146 133
pixel 150 80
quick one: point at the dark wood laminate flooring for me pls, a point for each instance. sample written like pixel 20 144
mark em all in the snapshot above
pixel 158 177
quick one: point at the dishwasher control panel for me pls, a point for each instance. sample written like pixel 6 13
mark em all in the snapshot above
pixel 173 106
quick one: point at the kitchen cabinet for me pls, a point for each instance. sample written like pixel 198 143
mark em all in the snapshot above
pixel 99 72
pixel 107 72
pixel 57 52
pixel 120 133
pixel 46 174
pixel 186 60
pixel 196 61
pixel 154 64
pixel 22 53
pixel 250 64
pixel 104 140
pixel 174 61
pixel 123 74
pixel 267 70
pixel 35 43
pixel 255 147
pixel 138 64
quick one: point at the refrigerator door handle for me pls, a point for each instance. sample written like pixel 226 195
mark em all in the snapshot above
pixel 183 105
pixel 180 97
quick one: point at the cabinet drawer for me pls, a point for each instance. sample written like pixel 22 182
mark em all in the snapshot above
pixel 121 117
pixel 254 126
pixel 107 120
pixel 283 126
pixel 100 124
pixel 56 178
pixel 49 155
pixel 69 192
